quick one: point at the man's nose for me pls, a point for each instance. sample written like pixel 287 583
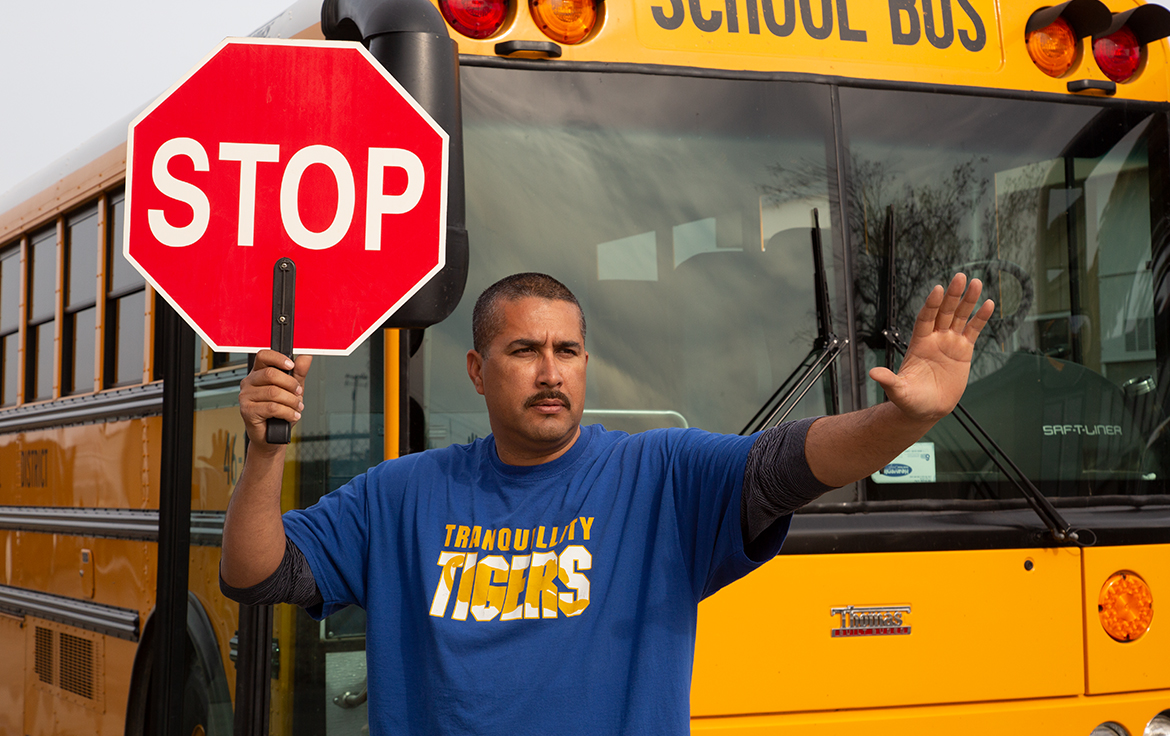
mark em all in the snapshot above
pixel 550 372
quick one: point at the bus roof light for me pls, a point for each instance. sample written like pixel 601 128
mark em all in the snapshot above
pixel 1054 48
pixel 1118 54
pixel 565 21
pixel 1148 23
pixel 1085 17
pixel 1120 48
pixel 1053 34
pixel 475 18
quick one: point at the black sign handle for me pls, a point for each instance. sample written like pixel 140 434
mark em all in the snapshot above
pixel 284 279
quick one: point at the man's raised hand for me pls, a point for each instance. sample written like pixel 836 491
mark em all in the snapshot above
pixel 934 370
pixel 268 392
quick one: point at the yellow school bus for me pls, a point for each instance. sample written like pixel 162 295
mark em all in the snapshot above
pixel 664 158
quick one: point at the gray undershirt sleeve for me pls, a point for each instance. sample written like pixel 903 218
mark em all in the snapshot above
pixel 291 582
pixel 777 479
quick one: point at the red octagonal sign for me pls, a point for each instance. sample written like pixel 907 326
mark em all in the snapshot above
pixel 309 150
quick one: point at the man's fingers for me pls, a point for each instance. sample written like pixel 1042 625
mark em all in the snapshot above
pixel 273 358
pixel 275 410
pixel 924 325
pixel 270 376
pixel 301 367
pixel 883 376
pixel 975 326
pixel 967 306
pixel 950 302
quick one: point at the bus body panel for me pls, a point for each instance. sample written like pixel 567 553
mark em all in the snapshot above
pixel 771 642
pixel 990 645
pixel 1143 664
pixel 12 675
pixel 67 694
pixel 630 33
pixel 111 465
pixel 124 574
pixel 1076 715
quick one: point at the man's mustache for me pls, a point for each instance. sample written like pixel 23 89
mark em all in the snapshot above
pixel 545 396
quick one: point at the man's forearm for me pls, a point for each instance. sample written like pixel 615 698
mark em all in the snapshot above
pixel 253 531
pixel 844 448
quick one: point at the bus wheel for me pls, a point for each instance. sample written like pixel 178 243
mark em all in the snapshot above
pixel 196 699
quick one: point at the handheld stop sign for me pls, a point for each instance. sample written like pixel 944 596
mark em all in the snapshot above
pixel 306 155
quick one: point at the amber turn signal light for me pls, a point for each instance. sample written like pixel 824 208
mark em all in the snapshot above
pixel 1054 48
pixel 1126 606
pixel 565 21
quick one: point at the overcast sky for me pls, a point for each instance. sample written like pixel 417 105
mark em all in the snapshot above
pixel 71 68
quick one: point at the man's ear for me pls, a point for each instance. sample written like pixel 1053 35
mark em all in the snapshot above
pixel 475 370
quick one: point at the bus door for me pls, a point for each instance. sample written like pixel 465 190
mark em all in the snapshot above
pixel 315 669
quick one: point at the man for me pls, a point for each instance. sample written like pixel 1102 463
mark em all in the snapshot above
pixel 546 577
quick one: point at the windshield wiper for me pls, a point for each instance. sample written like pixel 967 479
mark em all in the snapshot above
pixel 826 347
pixel 1060 529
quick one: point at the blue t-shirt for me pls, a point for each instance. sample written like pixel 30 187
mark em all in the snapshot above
pixel 558 598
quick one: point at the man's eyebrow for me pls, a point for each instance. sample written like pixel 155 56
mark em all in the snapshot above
pixel 528 342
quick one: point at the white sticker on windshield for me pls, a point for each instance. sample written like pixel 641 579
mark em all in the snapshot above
pixel 915 465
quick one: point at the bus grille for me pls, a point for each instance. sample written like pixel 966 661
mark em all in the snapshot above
pixel 77 665
pixel 44 655
pixel 67 663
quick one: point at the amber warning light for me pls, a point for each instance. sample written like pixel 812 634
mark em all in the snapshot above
pixel 565 21
pixel 1054 34
pixel 1126 606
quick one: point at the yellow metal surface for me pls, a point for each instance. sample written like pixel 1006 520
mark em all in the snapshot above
pixel 218 457
pixel 390 360
pixel 1144 664
pixel 50 709
pixel 666 32
pixel 104 465
pixel 281 707
pixel 981 627
pixel 203 581
pixel 12 674
pixel 124 570
pixel 1074 716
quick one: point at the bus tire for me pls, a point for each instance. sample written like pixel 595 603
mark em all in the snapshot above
pixel 207 706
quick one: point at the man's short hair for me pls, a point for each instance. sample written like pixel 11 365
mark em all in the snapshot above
pixel 487 316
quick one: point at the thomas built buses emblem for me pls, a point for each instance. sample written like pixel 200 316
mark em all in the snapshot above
pixel 871 621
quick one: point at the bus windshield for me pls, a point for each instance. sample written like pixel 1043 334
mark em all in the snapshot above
pixel 678 210
pixel 1050 204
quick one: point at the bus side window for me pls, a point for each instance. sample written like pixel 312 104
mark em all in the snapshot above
pixel 79 344
pixel 42 313
pixel 125 306
pixel 9 325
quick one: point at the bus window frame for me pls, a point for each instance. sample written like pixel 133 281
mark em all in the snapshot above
pixel 70 310
pixel 14 252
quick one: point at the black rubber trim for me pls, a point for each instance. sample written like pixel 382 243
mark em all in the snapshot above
pixel 503 62
pixel 954 530
pixel 1085 85
pixel 507 48
pixel 110 620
